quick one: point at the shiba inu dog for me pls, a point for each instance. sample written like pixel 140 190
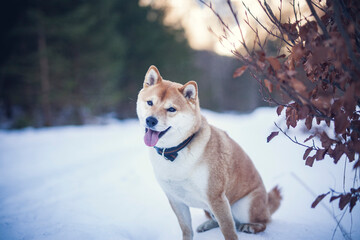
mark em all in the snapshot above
pixel 198 165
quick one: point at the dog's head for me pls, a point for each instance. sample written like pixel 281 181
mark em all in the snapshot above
pixel 168 111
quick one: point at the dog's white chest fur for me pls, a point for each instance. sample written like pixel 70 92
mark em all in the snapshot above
pixel 184 179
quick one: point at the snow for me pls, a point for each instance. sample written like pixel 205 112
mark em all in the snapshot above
pixel 96 182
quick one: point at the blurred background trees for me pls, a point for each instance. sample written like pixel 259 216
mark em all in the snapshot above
pixel 64 62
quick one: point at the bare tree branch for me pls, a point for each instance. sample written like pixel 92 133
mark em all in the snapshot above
pixel 263 27
pixel 318 20
pixel 344 34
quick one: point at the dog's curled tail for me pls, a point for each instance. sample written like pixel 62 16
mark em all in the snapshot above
pixel 274 199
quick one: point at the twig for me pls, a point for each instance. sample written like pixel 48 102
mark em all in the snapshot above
pixel 233 51
pixel 257 37
pixel 280 8
pixel 344 233
pixel 320 8
pixel 299 10
pixel 295 14
pixel 318 20
pixel 276 21
pixel 238 24
pixel 344 174
pixel 350 18
pixel 269 99
pixel 338 225
pixel 267 30
pixel 295 140
pixel 217 15
pixel 226 29
pixel 297 98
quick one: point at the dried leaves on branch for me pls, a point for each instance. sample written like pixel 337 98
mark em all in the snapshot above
pixel 317 80
pixel 345 199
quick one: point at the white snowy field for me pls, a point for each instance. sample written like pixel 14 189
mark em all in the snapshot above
pixel 96 182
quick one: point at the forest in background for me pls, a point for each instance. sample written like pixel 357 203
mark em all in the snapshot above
pixel 66 61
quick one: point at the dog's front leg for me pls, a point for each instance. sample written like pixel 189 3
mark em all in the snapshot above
pixel 182 212
pixel 220 207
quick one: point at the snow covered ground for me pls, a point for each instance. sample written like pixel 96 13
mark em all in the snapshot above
pixel 96 182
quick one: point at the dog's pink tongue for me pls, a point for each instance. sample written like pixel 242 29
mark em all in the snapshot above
pixel 151 137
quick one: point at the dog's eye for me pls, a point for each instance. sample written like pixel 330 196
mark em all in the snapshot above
pixel 150 103
pixel 171 109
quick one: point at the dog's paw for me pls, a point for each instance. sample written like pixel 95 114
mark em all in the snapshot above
pixel 209 224
pixel 251 227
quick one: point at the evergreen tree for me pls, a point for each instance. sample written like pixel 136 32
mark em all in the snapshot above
pixel 63 57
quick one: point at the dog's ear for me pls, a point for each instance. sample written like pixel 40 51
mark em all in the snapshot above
pixel 152 77
pixel 190 90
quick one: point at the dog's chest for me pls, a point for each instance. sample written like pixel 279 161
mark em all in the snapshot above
pixel 183 179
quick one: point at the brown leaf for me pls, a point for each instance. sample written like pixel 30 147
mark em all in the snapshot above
pixel 326 142
pixel 291 117
pixel 320 55
pixel 357 164
pixel 310 161
pixel 272 135
pixel 308 30
pixel 310 137
pixel 261 56
pixel 350 154
pixel 338 151
pixel 327 121
pixel 297 52
pixel 341 123
pixel 318 199
pixel 297 85
pixel 336 106
pixel 268 85
pixel 320 154
pixel 353 202
pixel 307 152
pixel 303 112
pixel 322 102
pixel 334 198
pixel 314 93
pixel 238 72
pixel 344 200
pixel 349 99
pixel 318 120
pixel 291 30
pixel 308 66
pixel 274 62
pixel 308 122
pixel 279 110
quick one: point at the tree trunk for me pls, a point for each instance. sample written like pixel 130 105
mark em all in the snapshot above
pixel 44 76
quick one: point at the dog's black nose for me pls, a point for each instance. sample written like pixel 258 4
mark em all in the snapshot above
pixel 151 121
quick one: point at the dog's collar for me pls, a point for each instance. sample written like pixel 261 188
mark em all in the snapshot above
pixel 171 153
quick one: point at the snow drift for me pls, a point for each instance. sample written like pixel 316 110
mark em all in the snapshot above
pixel 96 182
